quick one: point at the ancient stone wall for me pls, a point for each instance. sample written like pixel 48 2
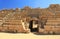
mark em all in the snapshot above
pixel 49 19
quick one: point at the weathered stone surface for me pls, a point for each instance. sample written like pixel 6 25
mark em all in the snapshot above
pixel 28 19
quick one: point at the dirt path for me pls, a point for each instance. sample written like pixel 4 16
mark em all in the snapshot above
pixel 27 36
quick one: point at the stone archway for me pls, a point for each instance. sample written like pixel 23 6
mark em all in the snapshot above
pixel 33 25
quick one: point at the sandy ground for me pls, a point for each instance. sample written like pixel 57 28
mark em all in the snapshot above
pixel 27 36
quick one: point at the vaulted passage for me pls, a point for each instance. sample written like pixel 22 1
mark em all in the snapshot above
pixel 31 27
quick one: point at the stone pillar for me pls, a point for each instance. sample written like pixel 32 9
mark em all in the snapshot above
pixel 39 25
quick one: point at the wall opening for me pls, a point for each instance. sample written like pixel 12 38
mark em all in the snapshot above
pixel 31 27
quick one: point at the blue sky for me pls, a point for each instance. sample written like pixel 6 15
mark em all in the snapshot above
pixel 21 3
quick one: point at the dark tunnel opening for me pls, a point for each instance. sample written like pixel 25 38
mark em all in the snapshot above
pixel 31 27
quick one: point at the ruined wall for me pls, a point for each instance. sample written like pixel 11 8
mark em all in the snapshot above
pixel 10 20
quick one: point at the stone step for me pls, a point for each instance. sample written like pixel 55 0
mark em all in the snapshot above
pixel 12 20
pixel 12 28
pixel 52 28
pixel 53 20
pixel 11 23
pixel 53 23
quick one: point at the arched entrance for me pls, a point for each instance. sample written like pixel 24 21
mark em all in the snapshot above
pixel 33 24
